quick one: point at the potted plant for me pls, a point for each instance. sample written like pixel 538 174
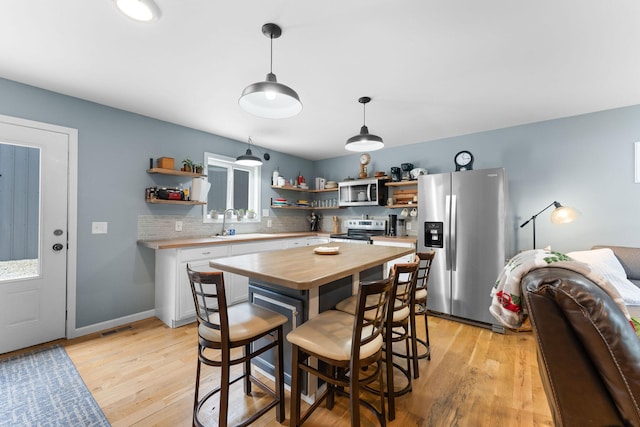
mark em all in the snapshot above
pixel 251 214
pixel 240 214
pixel 188 164
pixel 197 168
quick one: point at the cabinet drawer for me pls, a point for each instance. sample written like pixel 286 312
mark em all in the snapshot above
pixel 249 248
pixel 204 252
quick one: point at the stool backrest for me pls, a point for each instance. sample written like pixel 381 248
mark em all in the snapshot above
pixel 406 275
pixel 426 259
pixel 371 312
pixel 210 300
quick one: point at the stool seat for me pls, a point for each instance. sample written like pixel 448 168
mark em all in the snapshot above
pixel 330 335
pixel 421 294
pixel 246 320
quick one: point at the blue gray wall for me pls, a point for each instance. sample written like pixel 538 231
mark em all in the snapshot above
pixel 584 161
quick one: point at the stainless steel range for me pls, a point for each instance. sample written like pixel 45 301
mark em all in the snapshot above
pixel 361 231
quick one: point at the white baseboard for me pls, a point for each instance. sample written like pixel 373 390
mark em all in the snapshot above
pixel 97 327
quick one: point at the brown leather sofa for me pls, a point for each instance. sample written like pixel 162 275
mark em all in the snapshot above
pixel 588 355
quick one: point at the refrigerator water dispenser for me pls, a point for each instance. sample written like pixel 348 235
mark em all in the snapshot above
pixel 434 234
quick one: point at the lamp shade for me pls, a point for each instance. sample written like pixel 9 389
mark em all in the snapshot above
pixel 248 159
pixel 270 99
pixel 563 214
pixel 364 141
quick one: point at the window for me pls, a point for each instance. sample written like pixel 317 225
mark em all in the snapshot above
pixel 232 187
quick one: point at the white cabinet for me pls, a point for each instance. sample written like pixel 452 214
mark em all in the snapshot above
pixel 173 301
pixel 403 259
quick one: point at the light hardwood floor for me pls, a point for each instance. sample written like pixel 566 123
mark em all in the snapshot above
pixel 143 375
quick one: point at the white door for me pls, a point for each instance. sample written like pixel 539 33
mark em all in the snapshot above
pixel 33 244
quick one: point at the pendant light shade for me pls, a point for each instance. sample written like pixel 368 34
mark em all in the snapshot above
pixel 248 159
pixel 270 99
pixel 140 10
pixel 364 141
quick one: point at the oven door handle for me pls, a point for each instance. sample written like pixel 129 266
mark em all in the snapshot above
pixel 369 192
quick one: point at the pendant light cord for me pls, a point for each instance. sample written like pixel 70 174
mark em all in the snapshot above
pixel 271 63
pixel 364 114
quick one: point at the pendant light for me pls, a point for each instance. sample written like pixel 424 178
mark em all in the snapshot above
pixel 270 99
pixel 364 141
pixel 140 10
pixel 248 159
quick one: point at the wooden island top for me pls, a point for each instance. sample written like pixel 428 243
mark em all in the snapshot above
pixel 302 269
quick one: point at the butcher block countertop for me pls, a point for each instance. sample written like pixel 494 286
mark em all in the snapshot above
pixel 302 269
pixel 222 240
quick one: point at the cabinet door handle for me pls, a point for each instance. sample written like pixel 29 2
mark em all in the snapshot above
pixel 206 253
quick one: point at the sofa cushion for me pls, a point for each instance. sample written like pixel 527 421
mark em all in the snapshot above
pixel 604 262
pixel 629 258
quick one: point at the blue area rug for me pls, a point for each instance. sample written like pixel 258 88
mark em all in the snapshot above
pixel 43 388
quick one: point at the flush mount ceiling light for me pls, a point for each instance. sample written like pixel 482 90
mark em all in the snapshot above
pixel 140 10
pixel 248 159
pixel 364 141
pixel 270 99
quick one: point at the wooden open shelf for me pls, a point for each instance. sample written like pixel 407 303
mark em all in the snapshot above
pixel 173 172
pixel 174 202
pixel 302 190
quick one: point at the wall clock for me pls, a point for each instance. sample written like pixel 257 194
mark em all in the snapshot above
pixel 463 161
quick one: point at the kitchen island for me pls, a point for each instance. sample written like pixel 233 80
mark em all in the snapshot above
pixel 300 283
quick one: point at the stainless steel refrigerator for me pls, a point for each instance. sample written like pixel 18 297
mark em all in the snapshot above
pixel 462 216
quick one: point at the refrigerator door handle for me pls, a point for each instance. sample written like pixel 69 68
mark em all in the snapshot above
pixel 447 240
pixel 453 243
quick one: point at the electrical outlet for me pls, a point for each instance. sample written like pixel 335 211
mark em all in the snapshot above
pixel 269 223
pixel 409 225
pixel 265 212
pixel 178 225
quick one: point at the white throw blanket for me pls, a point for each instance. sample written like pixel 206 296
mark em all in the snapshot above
pixel 506 302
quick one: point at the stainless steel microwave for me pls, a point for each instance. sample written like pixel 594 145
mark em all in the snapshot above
pixel 362 192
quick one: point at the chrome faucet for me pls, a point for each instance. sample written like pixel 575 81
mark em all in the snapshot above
pixel 225 232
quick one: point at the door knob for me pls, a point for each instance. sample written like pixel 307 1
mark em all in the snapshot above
pixel 58 247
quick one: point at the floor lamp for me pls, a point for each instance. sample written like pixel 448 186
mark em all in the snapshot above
pixel 560 215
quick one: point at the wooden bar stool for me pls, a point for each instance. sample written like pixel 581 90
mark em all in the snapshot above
pixel 397 327
pixel 222 329
pixel 420 309
pixel 350 347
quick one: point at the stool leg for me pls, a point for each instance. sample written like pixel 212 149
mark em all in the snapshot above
pixel 390 386
pixel 247 370
pixel 426 330
pixel 279 362
pixel 195 399
pixel 225 356
pixel 414 343
pixel 296 387
pixel 354 392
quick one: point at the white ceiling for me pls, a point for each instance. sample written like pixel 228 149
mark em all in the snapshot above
pixel 433 68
